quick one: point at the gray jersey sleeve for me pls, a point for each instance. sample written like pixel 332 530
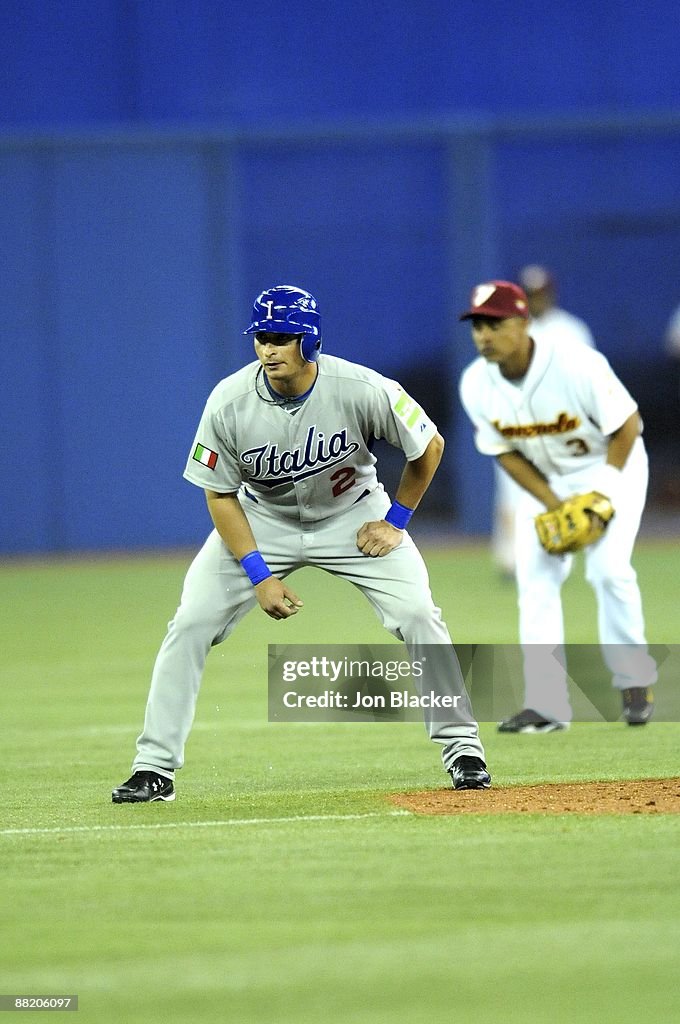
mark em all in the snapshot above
pixel 400 420
pixel 212 462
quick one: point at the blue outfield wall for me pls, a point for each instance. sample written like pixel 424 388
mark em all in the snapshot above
pixel 161 162
pixel 268 63
pixel 135 257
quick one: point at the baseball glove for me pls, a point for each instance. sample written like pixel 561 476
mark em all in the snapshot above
pixel 577 522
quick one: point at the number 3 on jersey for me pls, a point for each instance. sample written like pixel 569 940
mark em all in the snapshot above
pixel 578 446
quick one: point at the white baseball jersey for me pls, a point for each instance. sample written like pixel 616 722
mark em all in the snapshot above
pixel 561 326
pixel 558 416
pixel 309 461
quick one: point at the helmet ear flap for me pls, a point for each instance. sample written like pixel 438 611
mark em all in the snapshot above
pixel 310 347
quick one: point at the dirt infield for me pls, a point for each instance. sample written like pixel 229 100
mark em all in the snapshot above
pixel 640 796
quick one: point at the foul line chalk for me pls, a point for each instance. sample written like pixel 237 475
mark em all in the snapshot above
pixel 201 824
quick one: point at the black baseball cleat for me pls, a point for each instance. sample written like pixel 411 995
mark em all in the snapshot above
pixel 469 772
pixel 530 721
pixel 638 705
pixel 143 788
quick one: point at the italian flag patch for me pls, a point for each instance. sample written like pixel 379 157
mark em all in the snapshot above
pixel 205 456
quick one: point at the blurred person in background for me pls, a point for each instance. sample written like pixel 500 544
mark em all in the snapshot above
pixel 671 489
pixel 673 335
pixel 540 288
pixel 672 338
pixel 547 319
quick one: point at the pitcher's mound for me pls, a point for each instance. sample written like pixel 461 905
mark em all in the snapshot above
pixel 638 796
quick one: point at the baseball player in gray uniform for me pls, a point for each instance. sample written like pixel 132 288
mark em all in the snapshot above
pixel 561 423
pixel 283 452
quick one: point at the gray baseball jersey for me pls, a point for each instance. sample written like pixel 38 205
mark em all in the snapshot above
pixel 316 460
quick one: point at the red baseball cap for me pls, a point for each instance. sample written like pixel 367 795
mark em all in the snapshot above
pixel 499 299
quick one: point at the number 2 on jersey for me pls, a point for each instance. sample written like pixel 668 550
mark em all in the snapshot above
pixel 344 479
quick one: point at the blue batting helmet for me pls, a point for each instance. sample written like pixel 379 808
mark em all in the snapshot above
pixel 285 309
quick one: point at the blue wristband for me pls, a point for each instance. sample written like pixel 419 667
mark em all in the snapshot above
pixel 398 515
pixel 255 567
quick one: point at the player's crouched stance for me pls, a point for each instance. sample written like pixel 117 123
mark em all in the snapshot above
pixel 568 432
pixel 283 452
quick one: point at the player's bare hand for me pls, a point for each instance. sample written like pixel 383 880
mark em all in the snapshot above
pixel 378 538
pixel 276 599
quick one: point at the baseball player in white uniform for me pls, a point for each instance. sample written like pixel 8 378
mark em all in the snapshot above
pixel 547 320
pixel 283 452
pixel 561 426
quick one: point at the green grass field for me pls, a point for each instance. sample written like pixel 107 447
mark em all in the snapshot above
pixel 281 887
